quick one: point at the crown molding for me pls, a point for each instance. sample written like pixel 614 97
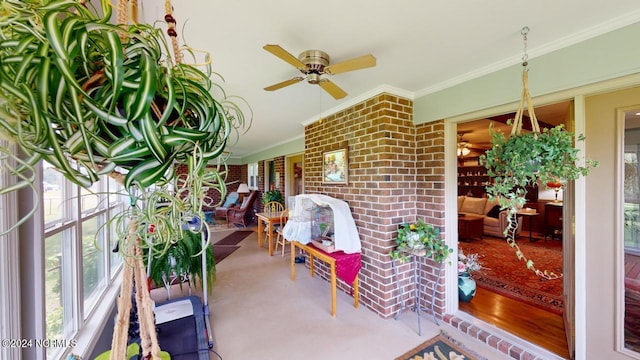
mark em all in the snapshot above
pixel 575 38
pixel 360 98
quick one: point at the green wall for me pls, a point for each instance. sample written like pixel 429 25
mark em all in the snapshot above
pixel 294 146
pixel 604 57
pixel 608 56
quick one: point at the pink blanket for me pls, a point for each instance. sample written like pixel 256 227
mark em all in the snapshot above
pixel 347 265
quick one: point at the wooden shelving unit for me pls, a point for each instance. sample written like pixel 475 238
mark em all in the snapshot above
pixel 472 180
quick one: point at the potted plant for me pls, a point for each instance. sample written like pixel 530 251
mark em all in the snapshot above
pixel 419 239
pixel 272 195
pixel 467 264
pixel 182 260
pixel 527 159
pixel 91 97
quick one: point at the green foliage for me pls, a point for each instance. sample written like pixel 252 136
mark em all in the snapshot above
pixel 183 257
pixel 420 238
pixel 272 195
pixel 133 350
pixel 87 96
pixel 529 158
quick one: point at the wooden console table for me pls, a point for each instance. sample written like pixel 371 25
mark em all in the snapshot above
pixel 350 264
pixel 553 220
pixel 470 226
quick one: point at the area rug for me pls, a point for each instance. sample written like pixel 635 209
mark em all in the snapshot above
pixel 222 251
pixel 234 238
pixel 504 274
pixel 440 347
pixel 220 226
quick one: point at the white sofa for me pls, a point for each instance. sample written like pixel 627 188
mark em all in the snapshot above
pixel 495 222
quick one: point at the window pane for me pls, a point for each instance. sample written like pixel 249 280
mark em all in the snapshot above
pixel 115 258
pixel 90 197
pixel 58 294
pixel 53 193
pixel 93 267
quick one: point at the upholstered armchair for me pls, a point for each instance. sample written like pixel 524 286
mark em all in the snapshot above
pixel 238 215
pixel 229 202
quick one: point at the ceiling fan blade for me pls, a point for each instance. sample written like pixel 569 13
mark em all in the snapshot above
pixel 358 63
pixel 333 89
pixel 286 56
pixel 284 83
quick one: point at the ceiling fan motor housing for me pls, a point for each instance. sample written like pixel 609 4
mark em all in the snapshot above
pixel 316 61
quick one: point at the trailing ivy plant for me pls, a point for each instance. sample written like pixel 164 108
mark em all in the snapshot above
pixel 528 159
pixel 420 239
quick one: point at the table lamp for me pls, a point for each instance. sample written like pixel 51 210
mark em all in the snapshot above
pixel 556 186
pixel 243 189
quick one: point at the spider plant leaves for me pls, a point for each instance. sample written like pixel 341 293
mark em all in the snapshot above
pixel 147 172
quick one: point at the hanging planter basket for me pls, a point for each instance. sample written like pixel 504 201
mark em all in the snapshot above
pixel 527 159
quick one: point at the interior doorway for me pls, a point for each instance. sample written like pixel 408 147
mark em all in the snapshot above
pixel 295 175
pixel 509 296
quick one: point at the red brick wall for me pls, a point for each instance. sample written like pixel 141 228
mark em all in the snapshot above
pixel 387 175
pixel 430 196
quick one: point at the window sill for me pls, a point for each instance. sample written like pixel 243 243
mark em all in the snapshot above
pixel 93 327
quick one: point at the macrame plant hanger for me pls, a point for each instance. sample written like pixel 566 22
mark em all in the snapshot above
pixel 516 129
pixel 134 273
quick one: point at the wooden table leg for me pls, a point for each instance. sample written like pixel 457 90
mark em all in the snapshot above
pixel 270 238
pixel 293 261
pixel 333 289
pixel 356 299
pixel 311 264
pixel 260 230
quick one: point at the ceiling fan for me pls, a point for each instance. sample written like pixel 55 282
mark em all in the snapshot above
pixel 315 63
pixel 464 147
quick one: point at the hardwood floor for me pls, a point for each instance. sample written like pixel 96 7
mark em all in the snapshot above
pixel 525 321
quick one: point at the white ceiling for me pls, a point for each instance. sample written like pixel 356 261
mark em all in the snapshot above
pixel 420 45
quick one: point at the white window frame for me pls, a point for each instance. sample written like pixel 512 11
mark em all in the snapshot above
pixel 252 176
pixel 87 324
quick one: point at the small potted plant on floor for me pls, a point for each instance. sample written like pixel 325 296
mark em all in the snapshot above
pixel 419 239
pixel 467 264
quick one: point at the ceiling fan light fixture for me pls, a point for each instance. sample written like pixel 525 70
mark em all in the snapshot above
pixel 463 151
pixel 313 78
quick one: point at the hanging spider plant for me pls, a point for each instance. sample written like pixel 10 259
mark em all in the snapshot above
pixel 90 97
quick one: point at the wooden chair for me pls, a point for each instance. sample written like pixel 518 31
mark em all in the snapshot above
pixel 273 207
pixel 238 215
pixel 284 216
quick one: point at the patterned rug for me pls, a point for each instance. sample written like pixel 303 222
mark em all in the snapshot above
pixel 440 347
pixel 503 273
pixel 220 225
